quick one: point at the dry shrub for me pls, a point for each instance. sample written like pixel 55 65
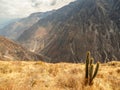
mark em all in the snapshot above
pixel 4 69
pixel 62 76
pixel 76 71
pixel 118 71
pixel 70 82
pixel 53 71
pixel 113 63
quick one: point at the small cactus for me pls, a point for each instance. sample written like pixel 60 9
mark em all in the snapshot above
pixel 90 73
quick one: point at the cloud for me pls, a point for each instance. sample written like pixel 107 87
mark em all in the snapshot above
pixel 53 2
pixel 22 8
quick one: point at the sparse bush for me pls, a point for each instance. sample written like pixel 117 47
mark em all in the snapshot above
pixel 90 73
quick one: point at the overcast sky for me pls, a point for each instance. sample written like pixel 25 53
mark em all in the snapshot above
pixel 22 8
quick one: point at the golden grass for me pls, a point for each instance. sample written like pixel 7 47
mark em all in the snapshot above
pixel 21 75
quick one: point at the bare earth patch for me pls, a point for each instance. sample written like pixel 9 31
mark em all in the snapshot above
pixel 21 75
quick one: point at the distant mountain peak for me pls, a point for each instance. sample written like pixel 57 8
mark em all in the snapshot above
pixel 15 29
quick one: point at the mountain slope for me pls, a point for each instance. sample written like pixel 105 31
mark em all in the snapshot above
pixel 9 50
pixel 6 22
pixel 15 29
pixel 82 25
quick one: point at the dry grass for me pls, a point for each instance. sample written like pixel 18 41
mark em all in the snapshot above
pixel 21 75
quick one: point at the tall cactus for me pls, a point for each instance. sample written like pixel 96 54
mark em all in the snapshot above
pixel 87 64
pixel 90 73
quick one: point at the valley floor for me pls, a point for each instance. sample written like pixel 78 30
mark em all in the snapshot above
pixel 21 75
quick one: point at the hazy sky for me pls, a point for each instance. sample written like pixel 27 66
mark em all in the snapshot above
pixel 22 8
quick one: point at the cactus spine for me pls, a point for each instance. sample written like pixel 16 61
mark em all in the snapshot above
pixel 90 73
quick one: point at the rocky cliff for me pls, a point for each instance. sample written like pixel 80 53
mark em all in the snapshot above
pixel 83 25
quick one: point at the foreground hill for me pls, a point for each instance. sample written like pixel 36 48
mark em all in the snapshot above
pixel 21 75
pixel 83 25
pixel 10 50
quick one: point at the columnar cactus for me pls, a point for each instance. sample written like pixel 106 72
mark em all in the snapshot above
pixel 87 64
pixel 90 73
